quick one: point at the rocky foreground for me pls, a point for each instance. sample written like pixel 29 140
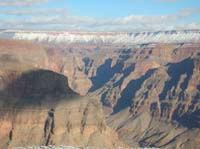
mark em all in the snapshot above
pixel 49 147
pixel 66 147
pixel 72 147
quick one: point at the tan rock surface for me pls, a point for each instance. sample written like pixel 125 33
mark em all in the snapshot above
pixel 150 94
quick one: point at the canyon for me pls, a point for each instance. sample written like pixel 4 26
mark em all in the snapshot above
pixel 100 89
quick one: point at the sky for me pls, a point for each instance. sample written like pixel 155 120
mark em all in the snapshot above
pixel 100 15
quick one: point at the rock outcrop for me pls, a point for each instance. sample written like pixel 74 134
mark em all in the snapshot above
pixel 150 94
pixel 39 108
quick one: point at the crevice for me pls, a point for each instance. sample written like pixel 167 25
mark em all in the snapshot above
pixel 84 119
pixel 49 127
pixel 175 71
pixel 10 136
pixel 68 122
pixel 102 127
pixel 129 92
pixel 104 73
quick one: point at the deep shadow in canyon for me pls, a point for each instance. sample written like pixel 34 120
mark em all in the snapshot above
pixel 37 88
pixel 104 73
pixel 129 92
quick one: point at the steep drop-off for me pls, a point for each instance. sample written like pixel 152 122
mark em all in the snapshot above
pixel 38 107
pixel 150 93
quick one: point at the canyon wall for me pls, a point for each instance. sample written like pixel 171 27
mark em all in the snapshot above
pixel 149 94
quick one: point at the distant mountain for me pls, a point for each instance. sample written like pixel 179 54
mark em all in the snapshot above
pixel 173 36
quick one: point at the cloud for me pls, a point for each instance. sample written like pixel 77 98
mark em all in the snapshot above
pixel 189 11
pixel 60 19
pixel 44 11
pixel 75 23
pixel 21 2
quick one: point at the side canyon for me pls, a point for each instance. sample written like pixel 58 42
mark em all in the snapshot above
pixel 141 95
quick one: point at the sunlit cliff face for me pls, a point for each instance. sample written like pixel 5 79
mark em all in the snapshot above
pixel 108 95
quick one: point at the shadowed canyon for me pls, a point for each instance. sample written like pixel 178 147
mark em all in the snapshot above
pixel 98 93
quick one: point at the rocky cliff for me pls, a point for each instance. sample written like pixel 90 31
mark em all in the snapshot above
pixel 150 94
pixel 38 107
